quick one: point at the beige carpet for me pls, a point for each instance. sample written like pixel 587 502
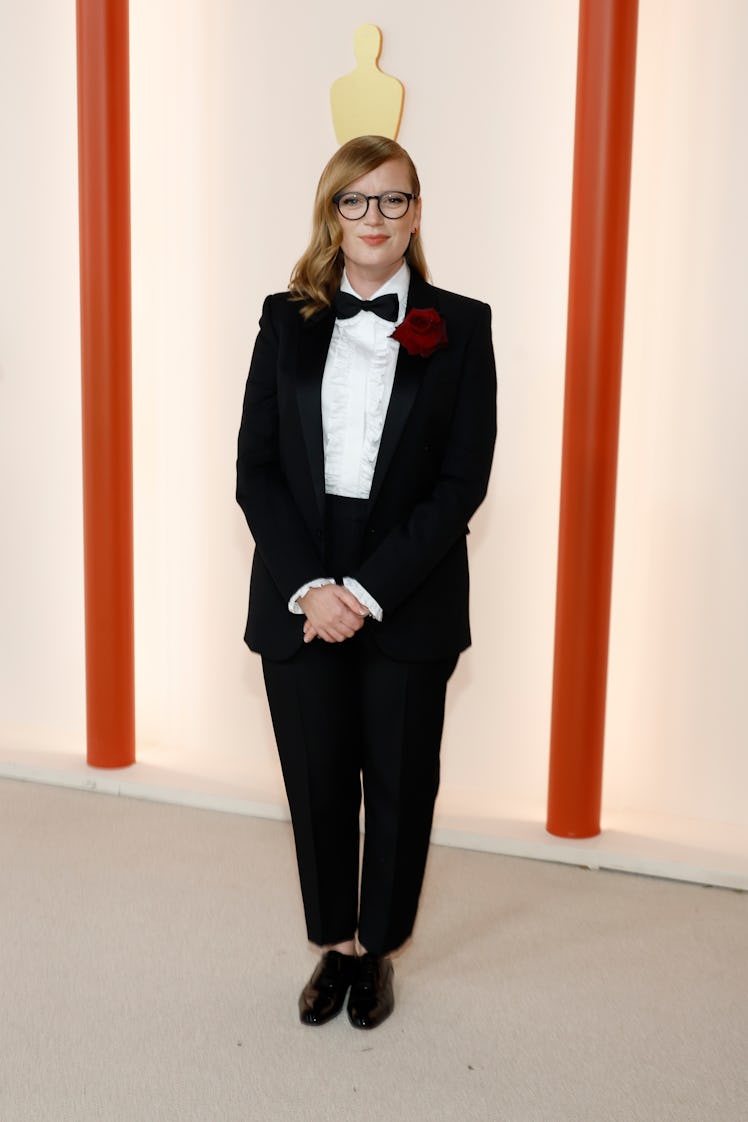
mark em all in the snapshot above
pixel 151 957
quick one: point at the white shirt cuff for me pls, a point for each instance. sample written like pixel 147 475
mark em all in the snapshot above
pixel 364 598
pixel 293 603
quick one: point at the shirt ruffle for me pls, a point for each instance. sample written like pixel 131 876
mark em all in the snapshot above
pixel 356 389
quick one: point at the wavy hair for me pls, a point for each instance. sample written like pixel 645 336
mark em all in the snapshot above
pixel 317 274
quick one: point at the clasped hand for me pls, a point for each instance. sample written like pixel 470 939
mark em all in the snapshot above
pixel 332 613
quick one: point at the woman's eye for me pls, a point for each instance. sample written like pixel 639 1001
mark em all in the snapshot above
pixel 351 201
pixel 393 199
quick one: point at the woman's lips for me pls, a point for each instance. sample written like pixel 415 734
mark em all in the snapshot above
pixel 374 239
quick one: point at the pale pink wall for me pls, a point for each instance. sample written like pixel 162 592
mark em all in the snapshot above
pixel 230 127
pixel 41 556
pixel 678 717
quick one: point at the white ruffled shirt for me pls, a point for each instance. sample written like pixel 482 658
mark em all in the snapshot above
pixel 356 387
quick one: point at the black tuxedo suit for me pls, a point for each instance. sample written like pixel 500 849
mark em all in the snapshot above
pixel 431 474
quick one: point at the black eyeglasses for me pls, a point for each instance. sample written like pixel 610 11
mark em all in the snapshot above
pixel 354 204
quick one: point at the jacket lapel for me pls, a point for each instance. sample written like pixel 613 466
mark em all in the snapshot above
pixel 409 374
pixel 314 343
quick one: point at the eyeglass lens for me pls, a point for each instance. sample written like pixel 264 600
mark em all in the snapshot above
pixel 393 204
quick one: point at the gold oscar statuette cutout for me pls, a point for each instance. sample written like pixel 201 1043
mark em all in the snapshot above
pixel 366 102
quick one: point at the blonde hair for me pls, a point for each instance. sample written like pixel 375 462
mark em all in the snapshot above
pixel 317 274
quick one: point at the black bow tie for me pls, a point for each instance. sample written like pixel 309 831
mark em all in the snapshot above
pixel 386 307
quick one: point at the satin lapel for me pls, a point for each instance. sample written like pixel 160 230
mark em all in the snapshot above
pixel 314 343
pixel 409 375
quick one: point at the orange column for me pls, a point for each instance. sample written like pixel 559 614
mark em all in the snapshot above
pixel 597 282
pixel 106 360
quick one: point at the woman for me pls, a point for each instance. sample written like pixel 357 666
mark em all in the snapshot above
pixel 365 447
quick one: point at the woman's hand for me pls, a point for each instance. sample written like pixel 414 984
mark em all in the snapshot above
pixel 332 613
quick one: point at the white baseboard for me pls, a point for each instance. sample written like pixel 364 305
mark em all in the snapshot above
pixel 678 849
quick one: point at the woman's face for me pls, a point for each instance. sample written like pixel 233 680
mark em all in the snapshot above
pixel 373 246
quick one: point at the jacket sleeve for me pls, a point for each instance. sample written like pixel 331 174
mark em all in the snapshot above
pixel 411 550
pixel 282 537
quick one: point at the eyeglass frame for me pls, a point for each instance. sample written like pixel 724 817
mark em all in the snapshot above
pixel 406 194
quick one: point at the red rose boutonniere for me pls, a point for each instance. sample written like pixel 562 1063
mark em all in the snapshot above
pixel 422 332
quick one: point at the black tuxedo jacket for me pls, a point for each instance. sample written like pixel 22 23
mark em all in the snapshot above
pixel 431 475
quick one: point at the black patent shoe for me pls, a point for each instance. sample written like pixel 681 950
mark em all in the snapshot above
pixel 372 998
pixel 324 994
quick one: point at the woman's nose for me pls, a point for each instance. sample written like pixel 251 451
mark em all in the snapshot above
pixel 373 216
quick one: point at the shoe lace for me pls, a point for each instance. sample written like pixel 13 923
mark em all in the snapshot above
pixel 367 972
pixel 331 974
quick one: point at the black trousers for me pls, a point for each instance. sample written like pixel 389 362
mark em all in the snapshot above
pixel 347 717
